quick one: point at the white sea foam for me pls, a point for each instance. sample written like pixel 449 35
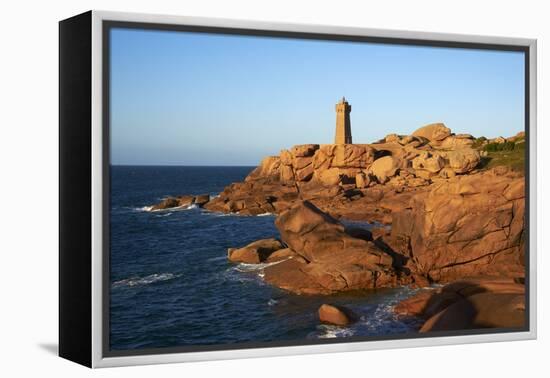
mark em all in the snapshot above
pixel 149 209
pixel 330 332
pixel 217 258
pixel 375 319
pixel 139 281
pixel 272 302
pixel 265 215
pixel 219 214
pixel 244 272
pixel 244 267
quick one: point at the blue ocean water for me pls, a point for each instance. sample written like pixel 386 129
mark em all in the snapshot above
pixel 171 283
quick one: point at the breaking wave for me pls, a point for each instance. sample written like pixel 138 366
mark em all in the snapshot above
pixel 244 267
pixel 140 281
pixel 330 332
pixel 149 209
pixel 244 272
pixel 375 319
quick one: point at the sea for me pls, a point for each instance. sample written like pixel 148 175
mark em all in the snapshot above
pixel 172 285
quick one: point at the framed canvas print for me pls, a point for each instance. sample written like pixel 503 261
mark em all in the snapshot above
pixel 233 189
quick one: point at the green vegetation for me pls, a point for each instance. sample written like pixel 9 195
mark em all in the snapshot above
pixel 494 147
pixel 510 154
pixel 514 159
pixel 478 142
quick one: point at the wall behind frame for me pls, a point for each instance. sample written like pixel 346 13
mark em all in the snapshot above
pixel 30 238
pixel 75 189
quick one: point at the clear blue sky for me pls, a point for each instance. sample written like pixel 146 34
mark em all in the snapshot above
pixel 203 99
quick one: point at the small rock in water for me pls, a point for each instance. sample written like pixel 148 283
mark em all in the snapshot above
pixel 202 199
pixel 255 252
pixel 336 315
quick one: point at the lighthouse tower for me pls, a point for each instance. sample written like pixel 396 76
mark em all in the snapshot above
pixel 343 123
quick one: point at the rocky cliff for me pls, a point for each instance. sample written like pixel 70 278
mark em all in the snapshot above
pixel 467 225
pixel 333 176
pixel 450 217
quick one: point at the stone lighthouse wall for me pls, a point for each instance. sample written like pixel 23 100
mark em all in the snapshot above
pixel 343 123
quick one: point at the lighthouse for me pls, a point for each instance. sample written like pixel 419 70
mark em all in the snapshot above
pixel 343 123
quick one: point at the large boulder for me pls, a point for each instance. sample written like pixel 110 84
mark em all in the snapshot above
pixel 363 180
pixel 384 168
pixel 433 132
pixel 413 141
pixel 303 169
pixel 256 252
pixel 304 150
pixel 470 303
pixel 454 142
pixel 415 305
pixel 334 163
pixel 286 157
pixel 283 254
pixel 166 203
pixel 392 138
pixel 485 310
pixel 176 202
pixel 201 199
pixel 286 173
pixel 331 176
pixel 332 259
pixel 322 159
pixel 320 238
pixel 465 226
pixel 269 166
pixel 352 155
pixel 462 160
pixel 428 161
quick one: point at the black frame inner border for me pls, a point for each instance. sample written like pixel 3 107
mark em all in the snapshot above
pixel 108 25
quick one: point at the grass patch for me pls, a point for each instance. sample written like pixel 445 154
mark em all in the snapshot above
pixel 514 159
pixel 494 147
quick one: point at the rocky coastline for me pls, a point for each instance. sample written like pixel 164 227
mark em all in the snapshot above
pixel 442 214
